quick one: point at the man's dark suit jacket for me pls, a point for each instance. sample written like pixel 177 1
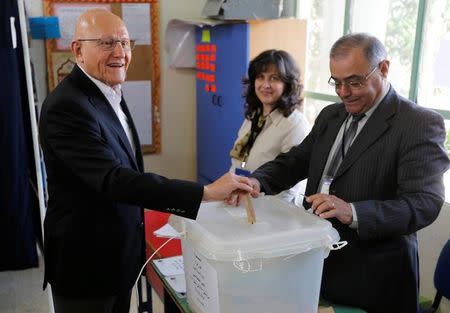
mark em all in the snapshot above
pixel 94 231
pixel 393 175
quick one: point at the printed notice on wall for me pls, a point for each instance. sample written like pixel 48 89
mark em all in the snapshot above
pixel 139 100
pixel 141 31
pixel 201 282
pixel 68 14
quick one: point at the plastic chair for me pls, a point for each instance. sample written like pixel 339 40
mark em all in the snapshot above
pixel 441 279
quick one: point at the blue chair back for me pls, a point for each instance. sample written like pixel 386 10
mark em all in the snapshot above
pixel 442 272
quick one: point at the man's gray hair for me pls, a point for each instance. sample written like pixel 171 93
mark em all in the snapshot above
pixel 373 48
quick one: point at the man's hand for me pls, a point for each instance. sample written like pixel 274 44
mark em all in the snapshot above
pixel 237 196
pixel 223 187
pixel 328 206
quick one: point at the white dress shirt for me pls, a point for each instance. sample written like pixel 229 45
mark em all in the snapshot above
pixel 114 96
pixel 338 141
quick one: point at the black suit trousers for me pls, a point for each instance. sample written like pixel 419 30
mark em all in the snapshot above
pixel 109 304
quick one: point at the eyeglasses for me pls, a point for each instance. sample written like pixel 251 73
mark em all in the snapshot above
pixel 109 44
pixel 353 83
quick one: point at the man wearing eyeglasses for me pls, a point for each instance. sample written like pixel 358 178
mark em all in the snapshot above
pixel 374 164
pixel 94 232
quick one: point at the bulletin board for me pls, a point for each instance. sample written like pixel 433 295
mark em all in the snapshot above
pixel 142 87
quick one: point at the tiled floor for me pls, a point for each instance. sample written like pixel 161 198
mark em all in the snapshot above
pixel 21 292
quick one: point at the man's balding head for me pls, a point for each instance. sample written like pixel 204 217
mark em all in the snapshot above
pixel 93 23
pixel 101 46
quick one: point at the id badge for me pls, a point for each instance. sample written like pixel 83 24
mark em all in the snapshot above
pixel 326 182
pixel 241 172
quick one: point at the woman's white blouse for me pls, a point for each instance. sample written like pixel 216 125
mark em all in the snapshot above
pixel 278 135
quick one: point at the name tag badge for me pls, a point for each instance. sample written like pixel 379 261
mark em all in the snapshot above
pixel 241 172
pixel 327 180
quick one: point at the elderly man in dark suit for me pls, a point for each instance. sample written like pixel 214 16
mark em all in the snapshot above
pixel 94 234
pixel 374 164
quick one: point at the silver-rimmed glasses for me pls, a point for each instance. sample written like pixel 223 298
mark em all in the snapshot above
pixel 109 44
pixel 353 83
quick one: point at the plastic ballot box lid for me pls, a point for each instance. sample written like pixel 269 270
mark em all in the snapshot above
pixel 221 232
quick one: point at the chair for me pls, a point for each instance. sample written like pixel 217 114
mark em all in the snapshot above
pixel 441 279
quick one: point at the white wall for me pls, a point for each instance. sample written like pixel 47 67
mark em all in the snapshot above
pixel 178 104
pixel 37 53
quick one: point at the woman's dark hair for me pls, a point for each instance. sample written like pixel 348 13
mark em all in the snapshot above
pixel 289 74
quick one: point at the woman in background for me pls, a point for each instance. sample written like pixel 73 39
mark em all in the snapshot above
pixel 273 124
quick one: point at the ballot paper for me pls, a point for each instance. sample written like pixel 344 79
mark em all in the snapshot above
pixel 172 269
pixel 170 266
pixel 178 283
pixel 167 231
